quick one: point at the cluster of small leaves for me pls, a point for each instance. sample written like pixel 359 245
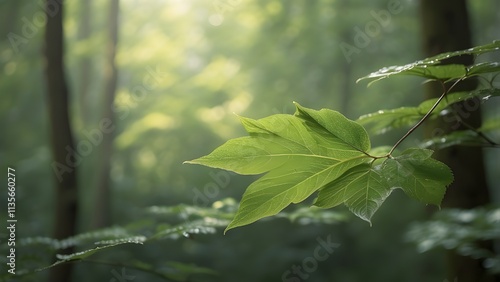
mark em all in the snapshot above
pixel 188 220
pixel 159 223
pixel 460 230
pixel 323 152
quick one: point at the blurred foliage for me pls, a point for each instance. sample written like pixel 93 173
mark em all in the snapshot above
pixel 460 230
pixel 163 222
pixel 182 73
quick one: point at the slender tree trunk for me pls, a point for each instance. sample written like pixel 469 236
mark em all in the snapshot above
pixel 61 137
pixel 445 27
pixel 85 63
pixel 102 216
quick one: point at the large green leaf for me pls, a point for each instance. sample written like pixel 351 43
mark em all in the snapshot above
pixel 274 141
pixel 318 150
pixel 291 183
pixel 301 153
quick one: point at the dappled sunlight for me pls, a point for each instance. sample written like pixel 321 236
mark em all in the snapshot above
pixel 212 116
pixel 9 68
pixel 147 158
pixel 240 103
pixel 152 121
pixel 217 74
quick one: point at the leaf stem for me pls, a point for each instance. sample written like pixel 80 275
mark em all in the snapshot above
pixel 445 91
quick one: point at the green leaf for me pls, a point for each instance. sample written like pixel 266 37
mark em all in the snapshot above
pixel 274 141
pixel 430 68
pixel 335 123
pixel 300 153
pixel 418 175
pixel 292 183
pixel 365 187
pixel 87 253
pixel 481 68
pixel 385 120
pixel 362 189
pixel 111 233
pixel 206 225
pixel 490 47
pixel 441 72
pixel 326 152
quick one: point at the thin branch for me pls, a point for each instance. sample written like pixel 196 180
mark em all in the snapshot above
pixel 479 133
pixel 445 91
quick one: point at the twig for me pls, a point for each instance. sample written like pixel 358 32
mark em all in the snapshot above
pixel 445 91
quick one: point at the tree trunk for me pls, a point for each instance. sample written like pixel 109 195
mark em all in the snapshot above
pixel 445 27
pixel 102 215
pixel 85 63
pixel 61 137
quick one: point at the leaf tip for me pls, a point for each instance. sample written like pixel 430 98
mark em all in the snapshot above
pixel 229 227
pixel 195 161
pixel 367 220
